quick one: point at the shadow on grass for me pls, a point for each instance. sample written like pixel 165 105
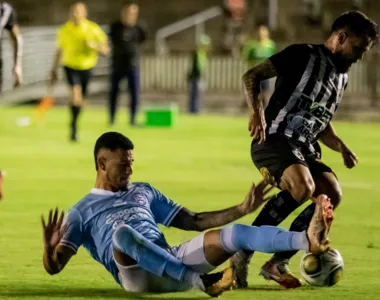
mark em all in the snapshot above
pixel 91 293
pixel 271 288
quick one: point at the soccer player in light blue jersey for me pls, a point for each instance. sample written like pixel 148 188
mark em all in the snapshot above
pixel 117 224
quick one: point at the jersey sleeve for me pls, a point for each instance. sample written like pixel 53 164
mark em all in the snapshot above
pixel 164 210
pixel 112 32
pixel 142 36
pixel 100 35
pixel 12 19
pixel 72 230
pixel 60 41
pixel 290 58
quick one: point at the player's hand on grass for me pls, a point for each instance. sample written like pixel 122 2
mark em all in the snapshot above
pixel 52 233
pixel 257 125
pixel 257 195
pixel 350 159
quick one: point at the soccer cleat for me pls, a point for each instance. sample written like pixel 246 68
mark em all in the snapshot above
pixel 280 273
pixel 320 225
pixel 240 262
pixel 217 283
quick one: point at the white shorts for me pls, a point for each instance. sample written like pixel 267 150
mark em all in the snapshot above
pixel 191 253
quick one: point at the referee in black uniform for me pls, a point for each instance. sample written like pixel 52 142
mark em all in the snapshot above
pixel 8 21
pixel 126 36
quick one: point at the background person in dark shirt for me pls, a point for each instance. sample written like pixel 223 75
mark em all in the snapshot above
pixel 8 21
pixel 126 36
pixel 196 75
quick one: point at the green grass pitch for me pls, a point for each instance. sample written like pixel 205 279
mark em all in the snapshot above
pixel 204 164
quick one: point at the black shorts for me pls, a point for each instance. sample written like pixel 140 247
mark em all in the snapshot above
pixel 78 77
pixel 277 153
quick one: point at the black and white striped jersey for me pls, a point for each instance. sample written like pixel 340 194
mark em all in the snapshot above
pixel 7 17
pixel 307 92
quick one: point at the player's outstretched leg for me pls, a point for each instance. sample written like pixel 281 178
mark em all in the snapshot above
pixel 278 265
pixel 277 268
pixel 271 239
pixel 318 236
pixel 160 262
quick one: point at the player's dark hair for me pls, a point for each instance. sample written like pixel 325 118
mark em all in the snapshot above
pixel 111 141
pixel 77 2
pixel 129 3
pixel 357 23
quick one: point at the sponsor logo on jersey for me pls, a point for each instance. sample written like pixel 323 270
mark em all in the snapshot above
pixel 297 153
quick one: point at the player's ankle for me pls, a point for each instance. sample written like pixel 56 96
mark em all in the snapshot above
pixel 278 259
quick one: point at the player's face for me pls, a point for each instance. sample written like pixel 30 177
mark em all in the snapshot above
pixel 119 168
pixel 263 32
pixel 129 14
pixel 78 12
pixel 350 49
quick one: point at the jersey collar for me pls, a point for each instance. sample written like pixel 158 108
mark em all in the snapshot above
pixel 102 192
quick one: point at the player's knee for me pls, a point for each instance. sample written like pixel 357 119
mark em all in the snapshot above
pixel 122 237
pixel 303 190
pixel 77 98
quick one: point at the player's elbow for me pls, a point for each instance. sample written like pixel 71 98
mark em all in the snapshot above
pixel 247 75
pixel 194 223
pixel 251 76
pixel 198 227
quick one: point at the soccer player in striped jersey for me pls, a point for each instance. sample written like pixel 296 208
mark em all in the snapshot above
pixel 310 83
pixel 117 222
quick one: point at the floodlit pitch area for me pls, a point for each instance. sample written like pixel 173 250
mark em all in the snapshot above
pixel 204 164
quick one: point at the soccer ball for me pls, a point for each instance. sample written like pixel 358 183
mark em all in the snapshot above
pixel 322 270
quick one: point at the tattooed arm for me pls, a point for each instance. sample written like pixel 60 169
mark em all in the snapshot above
pixel 188 220
pixel 251 81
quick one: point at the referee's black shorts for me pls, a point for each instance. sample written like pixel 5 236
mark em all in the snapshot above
pixel 78 77
pixel 278 153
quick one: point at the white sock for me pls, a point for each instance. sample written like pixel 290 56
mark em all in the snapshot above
pixel 300 241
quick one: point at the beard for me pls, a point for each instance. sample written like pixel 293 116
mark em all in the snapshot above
pixel 119 184
pixel 342 64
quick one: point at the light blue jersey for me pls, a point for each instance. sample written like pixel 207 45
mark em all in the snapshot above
pixel 92 221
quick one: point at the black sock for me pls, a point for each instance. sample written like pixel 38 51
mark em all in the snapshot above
pixel 300 224
pixel 276 210
pixel 75 111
